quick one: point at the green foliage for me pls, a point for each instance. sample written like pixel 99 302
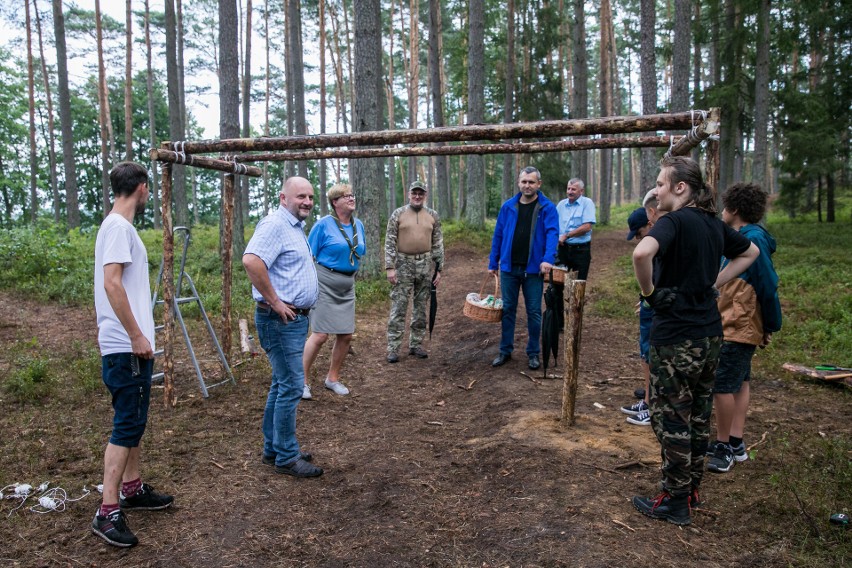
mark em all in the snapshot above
pixel 456 232
pixel 30 379
pixel 813 481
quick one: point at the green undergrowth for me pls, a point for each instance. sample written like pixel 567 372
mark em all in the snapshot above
pixel 37 373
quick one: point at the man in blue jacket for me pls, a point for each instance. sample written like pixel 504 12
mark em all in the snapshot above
pixel 523 247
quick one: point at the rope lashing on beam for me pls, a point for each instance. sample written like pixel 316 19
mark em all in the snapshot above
pixel 231 167
pixel 704 129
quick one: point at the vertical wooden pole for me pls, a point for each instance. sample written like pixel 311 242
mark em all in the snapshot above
pixel 575 294
pixel 169 397
pixel 227 261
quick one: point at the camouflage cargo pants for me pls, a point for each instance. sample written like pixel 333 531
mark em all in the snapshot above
pixel 412 275
pixel 681 401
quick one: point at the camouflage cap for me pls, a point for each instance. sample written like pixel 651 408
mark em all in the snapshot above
pixel 417 184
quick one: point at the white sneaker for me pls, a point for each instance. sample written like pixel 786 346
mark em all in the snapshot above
pixel 306 392
pixel 337 387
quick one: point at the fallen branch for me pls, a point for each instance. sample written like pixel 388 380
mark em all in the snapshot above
pixel 435 423
pixel 761 441
pixel 644 463
pixel 530 378
pixel 625 525
pixel 469 386
pixel 606 469
pixel 220 466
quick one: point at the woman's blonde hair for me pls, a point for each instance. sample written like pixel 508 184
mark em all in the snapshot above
pixel 336 191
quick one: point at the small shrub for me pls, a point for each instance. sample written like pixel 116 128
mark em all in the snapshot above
pixel 30 380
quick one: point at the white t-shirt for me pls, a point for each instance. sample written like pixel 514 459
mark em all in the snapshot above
pixel 119 243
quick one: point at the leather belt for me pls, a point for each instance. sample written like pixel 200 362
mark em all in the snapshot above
pixel 298 311
pixel 580 246
pixel 343 272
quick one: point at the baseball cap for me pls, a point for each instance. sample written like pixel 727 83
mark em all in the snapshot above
pixel 637 220
pixel 417 184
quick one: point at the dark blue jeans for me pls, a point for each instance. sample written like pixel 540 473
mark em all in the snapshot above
pixel 284 343
pixel 512 283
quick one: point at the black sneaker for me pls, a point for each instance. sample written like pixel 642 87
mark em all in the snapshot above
pixel 739 451
pixel 113 529
pixel 299 468
pixel 634 409
pixel 146 499
pixel 722 460
pixel 270 460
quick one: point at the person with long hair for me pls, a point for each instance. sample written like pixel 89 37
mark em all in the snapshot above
pixel 686 333
pixel 337 243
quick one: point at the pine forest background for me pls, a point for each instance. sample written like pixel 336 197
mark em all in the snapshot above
pixel 83 90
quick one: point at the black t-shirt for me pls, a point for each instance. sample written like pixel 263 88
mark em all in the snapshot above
pixel 692 243
pixel 523 231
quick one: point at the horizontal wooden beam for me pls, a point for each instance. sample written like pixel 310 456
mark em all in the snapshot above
pixel 463 149
pixel 231 167
pixel 543 129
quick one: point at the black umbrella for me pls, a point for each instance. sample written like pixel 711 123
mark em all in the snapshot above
pixel 433 302
pixel 550 325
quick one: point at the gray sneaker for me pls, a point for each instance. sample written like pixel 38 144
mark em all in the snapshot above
pixel 306 392
pixel 740 453
pixel 336 387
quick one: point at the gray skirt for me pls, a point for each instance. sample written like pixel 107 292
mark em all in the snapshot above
pixel 334 311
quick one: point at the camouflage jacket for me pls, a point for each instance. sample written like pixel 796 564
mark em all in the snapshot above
pixel 432 244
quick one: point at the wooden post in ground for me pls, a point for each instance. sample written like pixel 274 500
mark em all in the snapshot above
pixel 575 295
pixel 169 396
pixel 227 261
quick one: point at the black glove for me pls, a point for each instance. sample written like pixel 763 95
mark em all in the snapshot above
pixel 660 299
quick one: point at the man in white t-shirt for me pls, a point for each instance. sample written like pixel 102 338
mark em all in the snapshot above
pixel 126 339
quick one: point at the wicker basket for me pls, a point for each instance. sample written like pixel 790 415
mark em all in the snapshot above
pixel 561 274
pixel 484 313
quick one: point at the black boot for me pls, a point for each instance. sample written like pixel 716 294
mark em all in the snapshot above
pixel 665 507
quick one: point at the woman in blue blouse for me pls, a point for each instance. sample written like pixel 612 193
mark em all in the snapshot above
pixel 337 243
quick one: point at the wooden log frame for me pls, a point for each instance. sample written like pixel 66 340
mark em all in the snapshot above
pixel 700 124
pixel 464 149
pixel 227 262
pixel 574 300
pixel 471 132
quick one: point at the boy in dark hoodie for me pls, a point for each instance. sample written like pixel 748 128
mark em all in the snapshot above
pixel 751 313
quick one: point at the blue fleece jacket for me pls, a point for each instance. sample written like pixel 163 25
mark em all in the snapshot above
pixel 545 235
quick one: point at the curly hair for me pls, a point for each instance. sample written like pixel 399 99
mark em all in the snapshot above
pixel 686 170
pixel 746 200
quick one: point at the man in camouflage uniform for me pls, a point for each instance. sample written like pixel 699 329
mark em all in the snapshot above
pixel 412 243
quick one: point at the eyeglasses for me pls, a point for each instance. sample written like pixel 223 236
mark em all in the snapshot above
pixel 347 197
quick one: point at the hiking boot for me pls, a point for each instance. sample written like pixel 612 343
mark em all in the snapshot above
pixel 534 362
pixel 635 409
pixel 393 357
pixel 740 453
pixel 418 352
pixel 299 468
pixel 306 392
pixel 665 507
pixel 722 459
pixel 146 499
pixel 336 387
pixel 641 419
pixel 113 529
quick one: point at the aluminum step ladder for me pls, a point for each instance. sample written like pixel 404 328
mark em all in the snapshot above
pixel 155 301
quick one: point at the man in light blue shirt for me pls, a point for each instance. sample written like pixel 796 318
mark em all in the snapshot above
pixel 280 266
pixel 576 218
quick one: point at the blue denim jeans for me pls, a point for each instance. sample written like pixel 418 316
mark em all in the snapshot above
pixel 512 283
pixel 284 343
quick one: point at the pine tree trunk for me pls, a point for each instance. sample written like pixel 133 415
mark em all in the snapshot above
pixel 65 118
pixel 579 160
pixel 177 131
pixel 31 93
pixel 442 182
pixel 606 98
pixel 648 73
pixel 149 86
pixel 680 57
pixel 103 115
pixel 128 81
pixel 413 77
pixel 366 175
pixel 294 26
pixel 322 168
pixel 477 197
pixel 509 105
pixel 51 139
pixel 761 96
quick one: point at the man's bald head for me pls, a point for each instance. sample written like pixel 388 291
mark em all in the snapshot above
pixel 297 196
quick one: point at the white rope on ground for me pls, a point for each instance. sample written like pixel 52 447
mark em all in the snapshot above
pixel 53 499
